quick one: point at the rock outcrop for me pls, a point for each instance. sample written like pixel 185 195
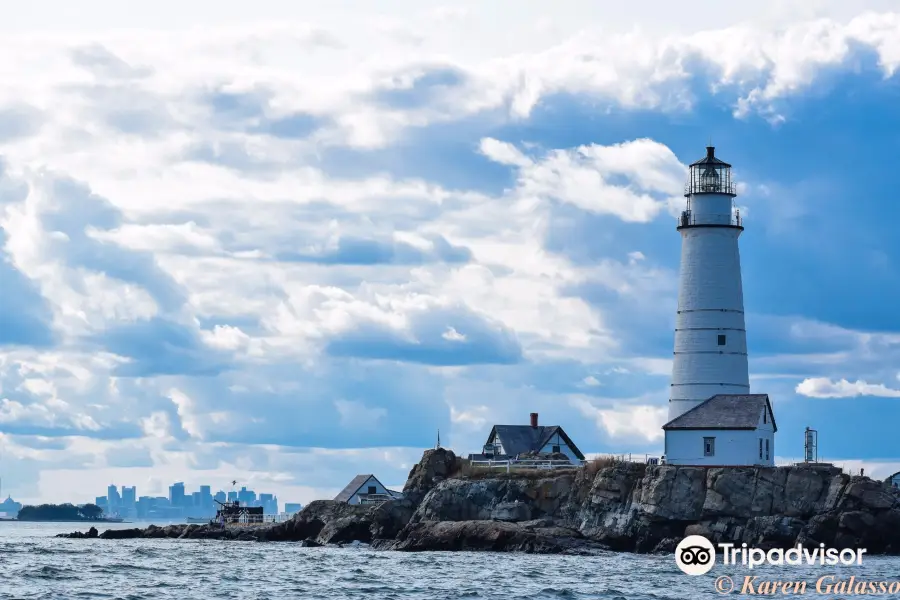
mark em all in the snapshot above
pixel 625 506
pixel 435 466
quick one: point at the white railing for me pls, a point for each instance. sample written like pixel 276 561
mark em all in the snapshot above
pixel 525 464
pixel 374 498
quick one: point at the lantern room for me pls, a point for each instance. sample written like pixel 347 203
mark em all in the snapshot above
pixel 709 175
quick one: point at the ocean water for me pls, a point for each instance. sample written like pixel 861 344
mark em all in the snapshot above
pixel 34 564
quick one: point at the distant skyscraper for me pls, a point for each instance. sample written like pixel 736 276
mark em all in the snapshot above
pixel 113 500
pixel 269 504
pixel 129 498
pixel 292 507
pixel 246 497
pixel 176 494
pixel 220 497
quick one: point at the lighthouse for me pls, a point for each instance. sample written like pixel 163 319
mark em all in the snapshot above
pixel 710 336
pixel 713 418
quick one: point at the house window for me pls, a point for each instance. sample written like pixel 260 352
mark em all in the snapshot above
pixel 556 449
pixel 709 446
pixel 767 449
pixel 765 412
pixel 760 448
pixel 371 489
pixel 721 340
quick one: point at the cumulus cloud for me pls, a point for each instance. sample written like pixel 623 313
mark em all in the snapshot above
pixel 197 275
pixel 582 176
pixel 628 421
pixel 823 387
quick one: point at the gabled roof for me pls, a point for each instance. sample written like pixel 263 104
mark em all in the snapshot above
pixel 725 411
pixel 517 439
pixel 354 486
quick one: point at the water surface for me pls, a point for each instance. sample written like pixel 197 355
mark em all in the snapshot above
pixel 34 564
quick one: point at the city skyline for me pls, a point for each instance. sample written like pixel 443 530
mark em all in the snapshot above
pixel 288 246
pixel 179 503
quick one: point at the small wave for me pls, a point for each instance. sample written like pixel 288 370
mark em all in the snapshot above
pixel 50 572
pixel 113 568
pixel 556 593
pixel 50 550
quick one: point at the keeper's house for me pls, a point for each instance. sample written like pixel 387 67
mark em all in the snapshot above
pixel 533 441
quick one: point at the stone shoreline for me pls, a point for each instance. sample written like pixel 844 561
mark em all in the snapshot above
pixel 621 507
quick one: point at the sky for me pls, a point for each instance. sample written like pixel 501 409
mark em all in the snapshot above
pixel 285 244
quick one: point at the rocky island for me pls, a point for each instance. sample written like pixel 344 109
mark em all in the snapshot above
pixel 605 505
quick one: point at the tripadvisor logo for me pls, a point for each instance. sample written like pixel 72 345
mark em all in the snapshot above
pixel 695 555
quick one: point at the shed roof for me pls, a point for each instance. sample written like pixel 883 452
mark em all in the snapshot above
pixel 725 411
pixel 517 439
pixel 354 486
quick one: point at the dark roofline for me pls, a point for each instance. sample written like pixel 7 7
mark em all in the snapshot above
pixel 569 442
pixel 354 492
pixel 364 482
pixel 543 441
pixel 771 414
pixel 710 159
pixel 667 427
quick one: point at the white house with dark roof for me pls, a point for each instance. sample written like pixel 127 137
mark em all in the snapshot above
pixel 366 489
pixel 714 420
pixel 726 430
pixel 509 442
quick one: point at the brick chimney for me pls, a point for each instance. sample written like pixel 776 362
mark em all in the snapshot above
pixel 534 419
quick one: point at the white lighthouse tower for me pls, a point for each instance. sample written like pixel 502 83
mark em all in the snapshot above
pixel 710 337
pixel 713 418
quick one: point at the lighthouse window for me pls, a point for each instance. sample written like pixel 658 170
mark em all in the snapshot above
pixel 721 340
pixel 760 448
pixel 767 449
pixel 709 446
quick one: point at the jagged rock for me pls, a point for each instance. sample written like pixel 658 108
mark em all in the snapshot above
pixel 511 511
pixel 121 534
pixel 325 521
pixel 79 535
pixel 622 506
pixel 492 535
pixel 435 466
pixel 390 517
